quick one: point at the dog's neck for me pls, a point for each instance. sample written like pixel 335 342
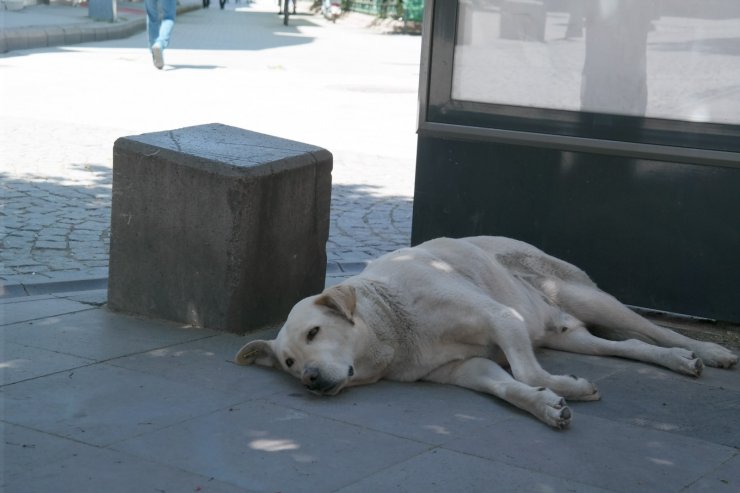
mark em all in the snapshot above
pixel 388 320
pixel 383 311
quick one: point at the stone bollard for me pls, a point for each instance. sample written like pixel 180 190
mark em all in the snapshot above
pixel 216 226
pixel 102 10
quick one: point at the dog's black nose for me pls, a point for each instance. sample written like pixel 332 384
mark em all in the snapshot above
pixel 310 375
pixel 351 371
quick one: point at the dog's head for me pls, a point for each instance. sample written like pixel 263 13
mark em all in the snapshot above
pixel 318 343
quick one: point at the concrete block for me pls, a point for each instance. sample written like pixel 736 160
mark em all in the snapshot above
pixel 15 39
pixel 102 10
pixel 117 31
pixel 216 226
pixel 87 34
pixel 72 35
pixel 130 28
pixel 523 20
pixel 54 36
pixel 35 37
pixel 103 33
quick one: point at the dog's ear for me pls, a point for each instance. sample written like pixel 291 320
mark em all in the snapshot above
pixel 340 298
pixel 259 352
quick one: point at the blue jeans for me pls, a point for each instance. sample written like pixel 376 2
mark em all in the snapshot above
pixel 159 30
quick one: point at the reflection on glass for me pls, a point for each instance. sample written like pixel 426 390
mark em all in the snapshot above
pixel 675 59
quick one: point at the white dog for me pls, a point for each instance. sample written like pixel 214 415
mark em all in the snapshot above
pixel 458 312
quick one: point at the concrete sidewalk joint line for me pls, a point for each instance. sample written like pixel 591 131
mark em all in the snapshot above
pixel 17 290
pixel 35 289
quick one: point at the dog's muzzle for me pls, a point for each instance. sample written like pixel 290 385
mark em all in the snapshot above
pixel 317 383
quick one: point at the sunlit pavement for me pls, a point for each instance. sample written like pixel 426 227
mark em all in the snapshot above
pixel 340 86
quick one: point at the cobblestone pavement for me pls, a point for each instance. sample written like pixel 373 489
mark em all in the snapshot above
pixel 373 218
pixel 57 232
pixel 55 169
pixel 41 238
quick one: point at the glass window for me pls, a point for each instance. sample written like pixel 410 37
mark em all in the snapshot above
pixel 666 59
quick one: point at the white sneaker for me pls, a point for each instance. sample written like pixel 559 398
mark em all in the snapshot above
pixel 157 57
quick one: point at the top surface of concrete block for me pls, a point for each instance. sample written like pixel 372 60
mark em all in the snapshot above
pixel 214 145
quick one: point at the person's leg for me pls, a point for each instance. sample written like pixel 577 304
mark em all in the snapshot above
pixel 152 20
pixel 169 11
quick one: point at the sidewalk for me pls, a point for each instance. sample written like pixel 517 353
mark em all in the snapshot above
pixel 56 191
pixel 38 26
pixel 95 401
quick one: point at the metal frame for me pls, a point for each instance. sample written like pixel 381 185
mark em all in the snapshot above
pixel 697 143
pixel 657 198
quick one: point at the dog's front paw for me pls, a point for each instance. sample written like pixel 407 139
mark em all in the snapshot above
pixel 582 390
pixel 715 355
pixel 554 411
pixel 559 416
pixel 571 387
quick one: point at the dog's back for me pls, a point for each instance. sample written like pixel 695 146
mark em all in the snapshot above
pixel 523 259
pixel 519 259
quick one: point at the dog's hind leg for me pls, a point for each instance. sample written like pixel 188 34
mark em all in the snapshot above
pixel 600 310
pixel 510 334
pixel 484 375
pixel 580 340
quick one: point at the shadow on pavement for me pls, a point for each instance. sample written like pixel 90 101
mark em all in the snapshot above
pixel 367 223
pixel 56 226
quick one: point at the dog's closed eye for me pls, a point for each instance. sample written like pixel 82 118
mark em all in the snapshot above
pixel 312 333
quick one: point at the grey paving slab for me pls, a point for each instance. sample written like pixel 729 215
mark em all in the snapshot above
pixel 99 334
pixel 444 471
pixel 101 404
pixel 22 362
pixel 724 479
pixel 95 297
pixel 596 368
pixel 208 363
pixel 264 447
pixel 24 449
pixel 599 452
pixel 425 412
pixel 169 399
pixel 24 309
pixel 654 398
pixel 721 378
pixel 96 470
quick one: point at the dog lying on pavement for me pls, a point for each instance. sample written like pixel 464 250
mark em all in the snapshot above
pixel 459 312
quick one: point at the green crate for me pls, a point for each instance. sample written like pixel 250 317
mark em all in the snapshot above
pixel 410 10
pixel 364 6
pixel 413 10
